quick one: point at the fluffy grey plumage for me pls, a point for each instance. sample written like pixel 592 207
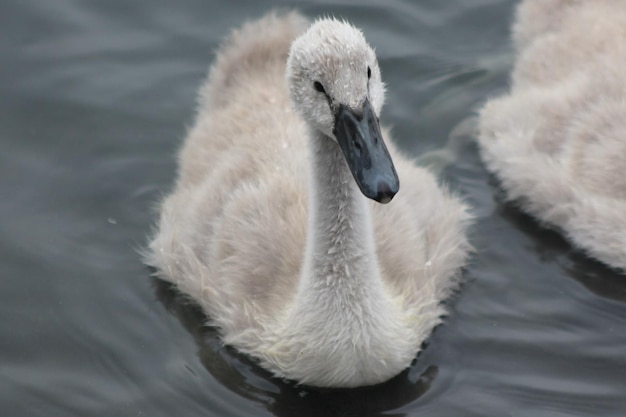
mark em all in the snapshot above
pixel 268 232
pixel 557 141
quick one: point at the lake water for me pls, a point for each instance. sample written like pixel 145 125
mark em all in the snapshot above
pixel 94 100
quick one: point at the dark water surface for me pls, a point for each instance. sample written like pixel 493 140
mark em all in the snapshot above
pixel 94 99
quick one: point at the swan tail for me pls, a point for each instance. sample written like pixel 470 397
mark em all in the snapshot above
pixel 248 51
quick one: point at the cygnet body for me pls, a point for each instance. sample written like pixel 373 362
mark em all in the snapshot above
pixel 557 141
pixel 276 225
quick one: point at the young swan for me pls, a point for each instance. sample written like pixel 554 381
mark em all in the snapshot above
pixel 557 141
pixel 275 227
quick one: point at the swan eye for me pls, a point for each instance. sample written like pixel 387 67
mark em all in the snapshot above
pixel 319 87
pixel 369 73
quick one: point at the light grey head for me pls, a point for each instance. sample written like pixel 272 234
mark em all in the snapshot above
pixel 334 82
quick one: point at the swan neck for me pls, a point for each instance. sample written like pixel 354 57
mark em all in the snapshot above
pixel 340 243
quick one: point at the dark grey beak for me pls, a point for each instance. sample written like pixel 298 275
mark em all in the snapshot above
pixel 368 158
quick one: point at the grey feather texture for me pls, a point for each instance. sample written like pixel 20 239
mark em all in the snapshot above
pixel 557 141
pixel 268 232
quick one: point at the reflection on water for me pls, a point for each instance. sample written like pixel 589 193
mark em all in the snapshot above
pixel 94 99
pixel 552 247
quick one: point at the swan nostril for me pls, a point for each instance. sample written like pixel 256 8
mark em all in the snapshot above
pixel 385 192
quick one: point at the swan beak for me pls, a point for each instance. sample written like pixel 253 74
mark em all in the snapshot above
pixel 358 135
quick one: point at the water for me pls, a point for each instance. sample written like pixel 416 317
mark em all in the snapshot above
pixel 94 100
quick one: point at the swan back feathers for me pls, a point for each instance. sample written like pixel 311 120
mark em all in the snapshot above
pixel 557 140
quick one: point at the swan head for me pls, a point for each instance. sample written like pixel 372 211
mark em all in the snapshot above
pixel 335 84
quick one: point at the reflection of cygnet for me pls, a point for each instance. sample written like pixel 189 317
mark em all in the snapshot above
pixel 557 141
pixel 269 228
